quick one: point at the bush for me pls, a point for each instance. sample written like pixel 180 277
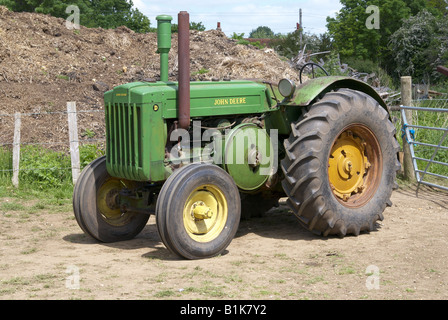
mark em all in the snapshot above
pixel 42 168
pixel 419 46
pixel 361 65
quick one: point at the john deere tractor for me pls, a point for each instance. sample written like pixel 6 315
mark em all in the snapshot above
pixel 200 155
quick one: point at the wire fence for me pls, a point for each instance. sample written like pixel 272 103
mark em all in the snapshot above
pixel 26 153
pixel 14 160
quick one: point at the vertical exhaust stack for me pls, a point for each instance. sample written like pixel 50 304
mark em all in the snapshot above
pixel 184 69
pixel 163 43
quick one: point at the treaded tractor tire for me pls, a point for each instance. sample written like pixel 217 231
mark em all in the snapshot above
pixel 88 200
pixel 340 164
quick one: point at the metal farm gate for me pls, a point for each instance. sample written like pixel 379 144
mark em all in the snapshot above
pixel 428 145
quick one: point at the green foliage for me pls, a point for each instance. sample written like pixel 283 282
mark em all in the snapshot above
pixel 193 26
pixel 398 47
pixel 5 163
pixel 352 37
pixel 332 65
pixel 368 66
pixel 241 40
pixel 437 7
pixel 289 45
pixel 431 119
pixel 237 36
pixel 197 26
pixel 200 71
pixel 361 65
pixel 42 168
pixel 262 32
pixel 420 45
pixel 88 153
pixel 93 13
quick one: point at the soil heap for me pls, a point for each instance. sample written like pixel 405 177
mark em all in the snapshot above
pixel 43 64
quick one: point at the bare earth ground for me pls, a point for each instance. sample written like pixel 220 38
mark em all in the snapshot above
pixel 45 255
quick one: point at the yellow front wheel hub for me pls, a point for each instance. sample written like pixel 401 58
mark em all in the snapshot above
pixel 205 213
pixel 347 165
pixel 107 201
pixel 201 211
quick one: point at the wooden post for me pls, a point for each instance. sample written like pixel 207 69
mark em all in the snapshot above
pixel 406 100
pixel 74 144
pixel 16 150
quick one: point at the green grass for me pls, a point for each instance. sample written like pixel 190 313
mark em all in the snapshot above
pixel 44 173
pixel 431 119
pixel 428 119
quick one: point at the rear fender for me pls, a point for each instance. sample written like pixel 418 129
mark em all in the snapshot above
pixel 308 92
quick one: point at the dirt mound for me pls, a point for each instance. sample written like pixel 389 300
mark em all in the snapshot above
pixel 43 64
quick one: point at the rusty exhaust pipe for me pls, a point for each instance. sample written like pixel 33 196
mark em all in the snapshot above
pixel 184 69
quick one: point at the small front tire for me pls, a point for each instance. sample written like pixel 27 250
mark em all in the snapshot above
pixel 198 211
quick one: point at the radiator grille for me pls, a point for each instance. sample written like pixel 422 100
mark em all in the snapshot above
pixel 124 132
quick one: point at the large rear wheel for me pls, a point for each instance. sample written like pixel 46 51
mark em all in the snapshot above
pixel 341 163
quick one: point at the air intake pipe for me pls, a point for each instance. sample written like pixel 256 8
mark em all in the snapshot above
pixel 163 43
pixel 163 48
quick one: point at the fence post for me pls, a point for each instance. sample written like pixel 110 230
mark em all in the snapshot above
pixel 74 143
pixel 406 100
pixel 16 150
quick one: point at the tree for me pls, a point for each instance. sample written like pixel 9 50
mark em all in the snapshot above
pixel 438 7
pixel 420 45
pixel 17 5
pixel 137 21
pixel 197 26
pixel 262 32
pixel 289 45
pixel 114 13
pixel 94 13
pixel 351 35
pixel 193 26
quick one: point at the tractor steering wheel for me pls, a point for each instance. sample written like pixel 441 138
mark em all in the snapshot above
pixel 312 64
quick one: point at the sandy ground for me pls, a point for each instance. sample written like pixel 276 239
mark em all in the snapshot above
pixel 45 255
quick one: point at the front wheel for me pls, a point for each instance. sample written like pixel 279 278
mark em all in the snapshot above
pixel 341 163
pixel 96 209
pixel 198 211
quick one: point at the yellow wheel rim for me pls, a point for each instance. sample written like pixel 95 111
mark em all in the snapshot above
pixel 353 165
pixel 107 201
pixel 205 213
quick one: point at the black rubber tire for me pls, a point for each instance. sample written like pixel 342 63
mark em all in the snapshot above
pixel 161 211
pixel 305 165
pixel 170 207
pixel 76 194
pixel 86 212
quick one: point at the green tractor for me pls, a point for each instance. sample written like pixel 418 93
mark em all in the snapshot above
pixel 200 155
